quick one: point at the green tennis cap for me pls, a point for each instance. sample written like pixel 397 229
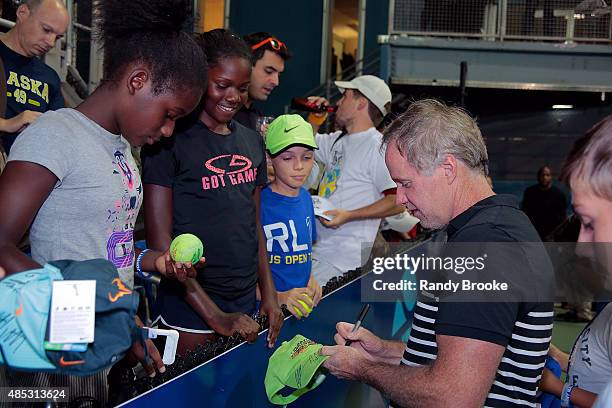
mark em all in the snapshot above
pixel 289 130
pixel 295 364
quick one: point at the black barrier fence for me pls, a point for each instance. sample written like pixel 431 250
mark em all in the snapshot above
pixel 126 383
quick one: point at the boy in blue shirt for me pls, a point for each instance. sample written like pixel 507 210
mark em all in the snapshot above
pixel 287 214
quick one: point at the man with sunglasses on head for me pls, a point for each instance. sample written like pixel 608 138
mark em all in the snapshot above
pixel 269 56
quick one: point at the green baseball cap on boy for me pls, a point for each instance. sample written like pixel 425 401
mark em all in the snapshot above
pixel 295 364
pixel 289 130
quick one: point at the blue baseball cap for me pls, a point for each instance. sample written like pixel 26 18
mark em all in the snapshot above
pixel 24 316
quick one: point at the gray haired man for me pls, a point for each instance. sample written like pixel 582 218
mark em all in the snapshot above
pixel 462 354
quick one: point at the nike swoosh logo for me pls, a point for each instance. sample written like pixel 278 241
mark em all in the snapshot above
pixel 289 130
pixel 65 363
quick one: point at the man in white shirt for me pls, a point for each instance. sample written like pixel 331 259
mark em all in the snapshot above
pixel 355 178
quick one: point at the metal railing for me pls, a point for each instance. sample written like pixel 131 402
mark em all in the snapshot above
pixel 499 20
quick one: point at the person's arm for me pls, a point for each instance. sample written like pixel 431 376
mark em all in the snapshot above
pixel 379 209
pixel 19 122
pixel 157 174
pixel 24 187
pixel 316 292
pixel 461 375
pixel 382 181
pixel 269 300
pixel 137 353
pixel 470 338
pixel 551 384
pixel 313 286
pixel 292 298
pixel 561 357
pixel 372 346
pixel 158 230
pixel 225 324
pixel 317 119
pixel 582 398
pixel 158 216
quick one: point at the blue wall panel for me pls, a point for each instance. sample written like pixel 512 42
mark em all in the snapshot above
pixel 377 22
pixel 299 25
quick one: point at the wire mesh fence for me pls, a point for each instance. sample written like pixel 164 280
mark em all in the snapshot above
pixel 440 16
pixel 565 20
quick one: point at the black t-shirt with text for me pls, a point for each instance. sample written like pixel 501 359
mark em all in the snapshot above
pixel 213 178
pixel 30 85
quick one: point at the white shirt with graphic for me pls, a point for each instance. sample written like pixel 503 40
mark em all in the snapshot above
pixel 355 176
pixel 591 359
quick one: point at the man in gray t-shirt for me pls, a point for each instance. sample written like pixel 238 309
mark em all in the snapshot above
pixel 98 221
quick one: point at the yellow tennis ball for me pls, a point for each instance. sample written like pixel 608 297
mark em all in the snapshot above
pixel 307 308
pixel 186 248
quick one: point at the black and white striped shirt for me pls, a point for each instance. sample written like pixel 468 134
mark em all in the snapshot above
pixel 521 366
pixel 524 329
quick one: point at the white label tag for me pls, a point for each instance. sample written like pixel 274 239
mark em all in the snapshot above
pixel 73 311
pixel 321 205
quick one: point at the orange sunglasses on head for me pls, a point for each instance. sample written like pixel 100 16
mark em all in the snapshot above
pixel 275 43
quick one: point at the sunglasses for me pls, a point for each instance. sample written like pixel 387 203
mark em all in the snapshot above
pixel 274 43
